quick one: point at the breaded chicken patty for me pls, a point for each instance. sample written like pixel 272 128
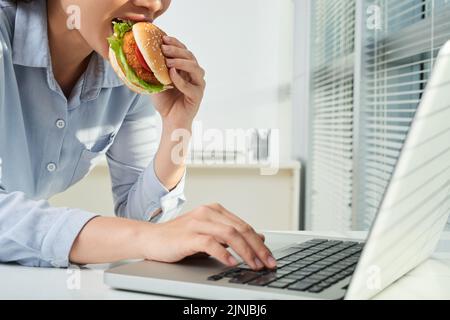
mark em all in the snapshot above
pixel 129 48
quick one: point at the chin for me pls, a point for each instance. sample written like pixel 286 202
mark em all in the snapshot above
pixel 102 46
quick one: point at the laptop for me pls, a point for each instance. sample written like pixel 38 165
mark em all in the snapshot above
pixel 406 231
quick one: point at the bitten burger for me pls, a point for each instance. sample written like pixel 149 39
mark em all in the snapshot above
pixel 136 56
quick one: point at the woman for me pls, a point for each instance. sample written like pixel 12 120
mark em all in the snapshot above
pixel 61 107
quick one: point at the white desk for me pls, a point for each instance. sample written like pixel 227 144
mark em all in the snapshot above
pixel 431 280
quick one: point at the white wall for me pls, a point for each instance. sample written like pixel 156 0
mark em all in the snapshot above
pixel 246 48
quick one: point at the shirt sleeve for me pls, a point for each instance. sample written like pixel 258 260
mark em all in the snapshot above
pixel 138 193
pixel 35 234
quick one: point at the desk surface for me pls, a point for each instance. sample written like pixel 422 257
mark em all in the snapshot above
pixel 431 280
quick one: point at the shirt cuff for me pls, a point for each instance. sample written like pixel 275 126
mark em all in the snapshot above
pixel 163 205
pixel 61 237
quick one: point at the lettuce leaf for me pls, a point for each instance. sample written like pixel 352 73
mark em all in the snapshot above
pixel 121 28
pixel 116 44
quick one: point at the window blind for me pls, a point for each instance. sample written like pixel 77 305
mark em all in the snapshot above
pixel 399 50
pixel 331 173
pixel 370 63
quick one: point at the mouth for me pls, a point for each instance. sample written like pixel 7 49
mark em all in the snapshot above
pixel 132 19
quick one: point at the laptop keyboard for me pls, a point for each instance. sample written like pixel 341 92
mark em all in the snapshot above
pixel 312 266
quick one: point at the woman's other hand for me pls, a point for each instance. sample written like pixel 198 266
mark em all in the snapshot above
pixel 208 229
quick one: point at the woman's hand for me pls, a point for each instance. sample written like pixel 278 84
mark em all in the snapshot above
pixel 208 229
pixel 179 106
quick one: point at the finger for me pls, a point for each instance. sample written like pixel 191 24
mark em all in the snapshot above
pixel 176 52
pixel 210 246
pixel 254 240
pixel 232 237
pixel 174 42
pixel 181 84
pixel 185 76
pixel 232 216
pixel 263 237
pixel 221 215
pixel 196 73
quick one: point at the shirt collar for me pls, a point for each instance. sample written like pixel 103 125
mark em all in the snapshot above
pixel 30 44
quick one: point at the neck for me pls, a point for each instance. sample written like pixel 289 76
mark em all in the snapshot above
pixel 69 51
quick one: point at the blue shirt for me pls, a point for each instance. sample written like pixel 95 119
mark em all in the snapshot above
pixel 48 143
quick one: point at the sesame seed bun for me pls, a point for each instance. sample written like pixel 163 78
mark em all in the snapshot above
pixel 149 39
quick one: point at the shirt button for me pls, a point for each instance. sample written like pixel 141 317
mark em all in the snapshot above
pixel 60 124
pixel 51 167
